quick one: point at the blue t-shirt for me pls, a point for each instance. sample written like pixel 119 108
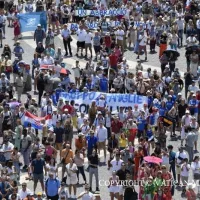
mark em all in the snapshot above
pixel 149 133
pixel 169 105
pixel 52 186
pixel 38 166
pixel 150 100
pixel 103 84
pixel 141 123
pixel 194 102
pixel 92 141
pixel 162 111
pixel 152 119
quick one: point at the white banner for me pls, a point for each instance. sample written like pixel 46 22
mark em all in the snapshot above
pixel 84 99
pixel 97 13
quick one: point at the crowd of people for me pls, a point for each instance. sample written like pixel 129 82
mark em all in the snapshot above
pixel 141 162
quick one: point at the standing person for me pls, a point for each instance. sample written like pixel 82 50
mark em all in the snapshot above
pixel 39 34
pixel 66 35
pixel 181 155
pixel 93 169
pixel 51 187
pixel 190 139
pixel 40 86
pixel 59 131
pixel 81 40
pixel 17 31
pixel 19 86
pixel 15 155
pixel 188 76
pixel 172 157
pixel 38 171
pixel 102 135
pixel 71 169
pixel 120 37
pixel 91 143
pixel 77 74
pixel 194 61
pixel 79 161
pixel 88 42
pixel 26 148
pixel 142 45
pixel 66 154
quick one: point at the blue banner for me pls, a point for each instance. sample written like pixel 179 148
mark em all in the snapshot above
pixel 29 21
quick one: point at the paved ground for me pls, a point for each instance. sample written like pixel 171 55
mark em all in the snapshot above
pixel 29 45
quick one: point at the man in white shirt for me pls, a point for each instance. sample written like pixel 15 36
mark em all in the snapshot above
pixel 193 87
pixel 102 135
pixel 24 191
pixel 180 156
pixel 142 45
pixel 88 42
pixel 180 23
pixel 116 163
pixel 7 148
pixel 120 37
pixel 81 40
pixel 66 35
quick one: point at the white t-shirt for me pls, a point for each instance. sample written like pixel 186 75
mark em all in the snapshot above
pixel 116 165
pixel 181 155
pixel 185 172
pixel 81 35
pixel 143 40
pixel 88 38
pixel 8 147
pixel 23 194
pixel 88 196
pixel 119 34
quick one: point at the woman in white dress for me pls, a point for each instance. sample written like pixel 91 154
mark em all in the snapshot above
pixel 51 167
pixel 113 187
pixel 72 180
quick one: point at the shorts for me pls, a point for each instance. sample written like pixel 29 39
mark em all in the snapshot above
pixel 114 189
pixel 184 180
pixel 121 190
pixel 88 45
pixel 80 44
pixel 142 48
pixel 101 145
pixel 58 146
pixel 38 177
pixel 97 49
pixel 178 170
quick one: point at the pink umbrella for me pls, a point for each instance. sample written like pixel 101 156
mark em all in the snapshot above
pixel 63 71
pixel 152 159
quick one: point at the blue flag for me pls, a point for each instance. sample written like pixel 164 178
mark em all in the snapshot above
pixel 29 21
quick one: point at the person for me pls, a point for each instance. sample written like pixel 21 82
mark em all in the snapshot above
pixel 113 187
pixel 79 161
pixel 66 155
pixel 51 187
pixel 190 193
pixel 66 35
pixel 38 171
pixel 86 194
pixel 63 193
pixel 93 169
pixel 190 139
pixel 142 46
pixel 24 191
pixel 39 34
pixel 72 169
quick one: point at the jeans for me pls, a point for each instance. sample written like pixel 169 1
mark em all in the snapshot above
pixel 190 151
pixel 81 170
pixel 26 156
pixel 67 45
pixel 173 169
pixel 174 46
pixel 17 167
pixel 93 171
pixel 180 37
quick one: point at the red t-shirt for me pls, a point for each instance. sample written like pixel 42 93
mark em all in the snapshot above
pixel 107 41
pixel 68 107
pixel 113 60
pixel 116 126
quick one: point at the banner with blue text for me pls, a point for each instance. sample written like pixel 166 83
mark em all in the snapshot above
pixel 97 13
pixel 84 99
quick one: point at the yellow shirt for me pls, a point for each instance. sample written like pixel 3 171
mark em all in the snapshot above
pixel 123 142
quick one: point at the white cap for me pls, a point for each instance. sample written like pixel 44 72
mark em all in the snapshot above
pixel 51 129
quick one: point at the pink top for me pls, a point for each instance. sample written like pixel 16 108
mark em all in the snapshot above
pixel 49 151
